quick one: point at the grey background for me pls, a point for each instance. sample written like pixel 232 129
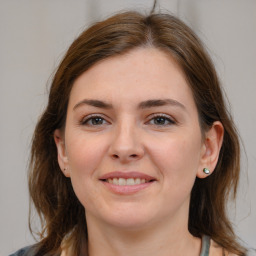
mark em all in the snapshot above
pixel 35 34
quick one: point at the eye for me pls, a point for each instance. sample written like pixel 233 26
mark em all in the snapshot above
pixel 93 121
pixel 161 120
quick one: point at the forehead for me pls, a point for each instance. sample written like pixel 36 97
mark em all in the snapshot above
pixel 137 75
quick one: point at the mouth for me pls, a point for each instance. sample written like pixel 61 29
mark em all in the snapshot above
pixel 126 182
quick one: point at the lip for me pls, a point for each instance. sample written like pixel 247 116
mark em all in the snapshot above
pixel 126 189
pixel 127 175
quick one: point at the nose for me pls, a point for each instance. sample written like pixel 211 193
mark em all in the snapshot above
pixel 126 144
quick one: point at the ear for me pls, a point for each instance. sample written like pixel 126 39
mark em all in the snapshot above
pixel 61 150
pixel 211 148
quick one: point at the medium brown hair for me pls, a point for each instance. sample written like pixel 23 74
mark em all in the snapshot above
pixel 58 207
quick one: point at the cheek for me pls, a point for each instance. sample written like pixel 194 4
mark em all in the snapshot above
pixel 177 158
pixel 84 154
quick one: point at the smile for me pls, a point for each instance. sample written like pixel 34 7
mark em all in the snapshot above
pixel 127 182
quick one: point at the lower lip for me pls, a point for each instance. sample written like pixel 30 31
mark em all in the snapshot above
pixel 127 190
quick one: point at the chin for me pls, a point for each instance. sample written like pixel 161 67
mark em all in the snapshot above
pixel 130 219
pixel 129 224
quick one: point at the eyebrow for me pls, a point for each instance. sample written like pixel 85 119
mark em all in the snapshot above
pixel 144 104
pixel 160 102
pixel 93 103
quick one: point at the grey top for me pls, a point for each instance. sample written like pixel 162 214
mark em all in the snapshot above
pixel 26 251
pixel 205 246
pixel 30 251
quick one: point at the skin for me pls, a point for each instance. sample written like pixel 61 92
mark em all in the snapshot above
pixel 126 136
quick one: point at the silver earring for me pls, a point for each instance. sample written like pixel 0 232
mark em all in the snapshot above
pixel 206 171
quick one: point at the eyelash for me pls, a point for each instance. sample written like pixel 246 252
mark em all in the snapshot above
pixel 164 118
pixel 88 120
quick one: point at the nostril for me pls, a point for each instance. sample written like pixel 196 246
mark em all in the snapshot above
pixel 115 156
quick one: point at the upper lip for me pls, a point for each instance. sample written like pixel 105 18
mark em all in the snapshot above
pixel 126 175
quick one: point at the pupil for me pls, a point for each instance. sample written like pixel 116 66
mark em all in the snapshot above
pixel 160 120
pixel 97 120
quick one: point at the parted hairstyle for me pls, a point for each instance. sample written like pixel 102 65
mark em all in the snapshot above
pixel 61 213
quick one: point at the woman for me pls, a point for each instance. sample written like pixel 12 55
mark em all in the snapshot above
pixel 135 153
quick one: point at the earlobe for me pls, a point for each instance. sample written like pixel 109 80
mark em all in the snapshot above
pixel 211 149
pixel 61 151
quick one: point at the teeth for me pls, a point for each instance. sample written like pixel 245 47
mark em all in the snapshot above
pixel 122 182
pixel 137 181
pixel 126 182
pixel 130 182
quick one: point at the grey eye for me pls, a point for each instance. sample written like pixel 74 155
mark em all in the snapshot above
pixel 94 121
pixel 161 121
pixel 97 120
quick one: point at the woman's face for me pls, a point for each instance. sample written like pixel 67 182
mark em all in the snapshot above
pixel 132 144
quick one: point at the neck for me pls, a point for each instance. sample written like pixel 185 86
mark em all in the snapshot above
pixel 162 239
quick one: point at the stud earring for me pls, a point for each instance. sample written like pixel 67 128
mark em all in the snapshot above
pixel 206 171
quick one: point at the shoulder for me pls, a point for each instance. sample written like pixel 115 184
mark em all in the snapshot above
pixel 26 251
pixel 216 250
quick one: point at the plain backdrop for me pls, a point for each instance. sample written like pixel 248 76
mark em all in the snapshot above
pixel 34 35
